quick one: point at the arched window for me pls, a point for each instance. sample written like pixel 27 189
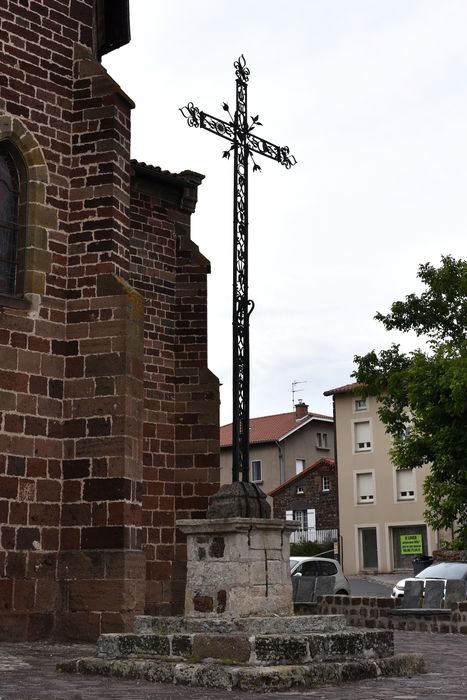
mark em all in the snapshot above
pixel 9 220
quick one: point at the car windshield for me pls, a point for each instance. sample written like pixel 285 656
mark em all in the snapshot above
pixel 452 569
pixel 293 562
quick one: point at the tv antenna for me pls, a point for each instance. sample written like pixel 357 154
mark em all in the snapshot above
pixel 295 390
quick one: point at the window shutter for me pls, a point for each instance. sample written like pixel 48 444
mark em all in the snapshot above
pixel 289 514
pixel 365 488
pixel 362 435
pixel 311 518
pixel 405 484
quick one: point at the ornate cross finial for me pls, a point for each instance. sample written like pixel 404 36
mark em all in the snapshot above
pixel 243 143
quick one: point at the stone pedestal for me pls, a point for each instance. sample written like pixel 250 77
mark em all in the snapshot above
pixel 239 631
pixel 238 567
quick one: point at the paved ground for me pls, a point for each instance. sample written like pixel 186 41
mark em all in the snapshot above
pixel 27 672
pixel 369 587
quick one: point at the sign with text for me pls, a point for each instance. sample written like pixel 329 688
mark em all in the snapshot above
pixel 411 544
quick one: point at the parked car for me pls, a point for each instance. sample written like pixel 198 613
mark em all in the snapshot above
pixel 320 566
pixel 456 570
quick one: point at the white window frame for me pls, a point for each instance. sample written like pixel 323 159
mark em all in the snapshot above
pixel 299 490
pixel 260 480
pixel 369 443
pixel 398 498
pixel 360 405
pixel 369 501
pixel 325 484
pixel 301 462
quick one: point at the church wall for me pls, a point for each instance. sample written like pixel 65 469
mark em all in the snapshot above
pixel 83 501
pixel 181 395
pixel 36 80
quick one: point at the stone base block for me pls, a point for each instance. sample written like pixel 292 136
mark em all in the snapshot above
pixel 251 650
pixel 303 624
pixel 252 654
pixel 238 567
pixel 254 679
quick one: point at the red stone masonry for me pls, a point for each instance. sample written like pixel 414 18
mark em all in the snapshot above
pixel 105 340
pixel 181 435
pixel 310 483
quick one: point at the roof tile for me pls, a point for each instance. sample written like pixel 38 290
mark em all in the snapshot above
pixel 270 428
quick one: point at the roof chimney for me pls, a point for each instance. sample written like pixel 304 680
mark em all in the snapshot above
pixel 301 410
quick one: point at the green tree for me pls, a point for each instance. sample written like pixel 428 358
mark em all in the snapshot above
pixel 423 394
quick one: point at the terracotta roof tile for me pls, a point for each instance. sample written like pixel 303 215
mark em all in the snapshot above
pixel 270 428
pixel 322 460
pixel 342 389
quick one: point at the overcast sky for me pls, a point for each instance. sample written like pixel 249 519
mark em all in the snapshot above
pixel 371 98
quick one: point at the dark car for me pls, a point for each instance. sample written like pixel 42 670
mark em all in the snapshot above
pixel 446 570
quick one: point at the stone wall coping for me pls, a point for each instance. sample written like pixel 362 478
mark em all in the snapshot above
pixel 215 525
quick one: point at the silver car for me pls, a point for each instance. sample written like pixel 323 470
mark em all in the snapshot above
pixel 456 570
pixel 320 566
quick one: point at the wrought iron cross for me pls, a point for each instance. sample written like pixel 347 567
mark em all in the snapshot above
pixel 243 144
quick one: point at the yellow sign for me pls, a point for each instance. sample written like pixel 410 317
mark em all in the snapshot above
pixel 411 544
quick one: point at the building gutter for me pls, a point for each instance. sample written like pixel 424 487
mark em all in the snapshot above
pixel 281 462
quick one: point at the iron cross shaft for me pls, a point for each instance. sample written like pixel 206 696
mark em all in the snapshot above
pixel 243 143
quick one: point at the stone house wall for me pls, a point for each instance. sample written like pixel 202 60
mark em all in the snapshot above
pixel 285 497
pixel 104 341
pixel 375 613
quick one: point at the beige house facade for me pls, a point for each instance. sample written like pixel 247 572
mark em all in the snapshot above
pixel 382 528
pixel 281 446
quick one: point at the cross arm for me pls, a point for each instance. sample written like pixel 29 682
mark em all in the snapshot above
pixel 270 150
pixel 197 118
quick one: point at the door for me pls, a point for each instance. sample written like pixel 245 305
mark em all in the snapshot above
pixel 368 548
pixel 408 542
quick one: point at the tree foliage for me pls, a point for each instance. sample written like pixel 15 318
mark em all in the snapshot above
pixel 423 394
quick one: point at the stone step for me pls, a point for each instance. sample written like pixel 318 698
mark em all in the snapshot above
pixel 266 649
pixel 251 625
pixel 247 678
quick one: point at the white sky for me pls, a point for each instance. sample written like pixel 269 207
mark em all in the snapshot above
pixel 371 98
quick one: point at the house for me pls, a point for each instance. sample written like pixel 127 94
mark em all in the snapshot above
pixel 281 445
pixel 103 340
pixel 382 527
pixel 311 498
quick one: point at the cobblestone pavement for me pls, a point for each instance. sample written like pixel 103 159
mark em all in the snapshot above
pixel 27 672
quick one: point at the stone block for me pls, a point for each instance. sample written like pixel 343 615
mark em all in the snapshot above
pixel 233 648
pixel 120 645
pixel 98 595
pixel 271 650
pixel 80 565
pixel 13 627
pixel 79 626
pixel 434 594
pixel 413 592
pixel 303 588
pixel 455 591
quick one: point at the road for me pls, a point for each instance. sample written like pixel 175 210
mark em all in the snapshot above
pixel 366 587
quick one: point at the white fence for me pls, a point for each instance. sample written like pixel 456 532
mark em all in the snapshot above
pixel 312 535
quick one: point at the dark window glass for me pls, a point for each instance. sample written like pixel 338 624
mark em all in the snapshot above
pixel 328 568
pixel 310 568
pixel 318 568
pixel 9 212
